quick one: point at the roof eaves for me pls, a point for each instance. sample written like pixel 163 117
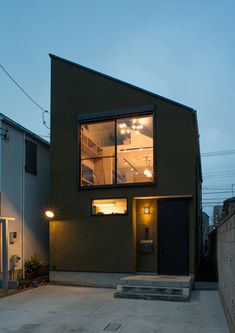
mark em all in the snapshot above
pixel 120 81
pixel 198 144
pixel 23 129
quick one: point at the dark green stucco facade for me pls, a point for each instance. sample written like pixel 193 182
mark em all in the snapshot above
pixel 85 243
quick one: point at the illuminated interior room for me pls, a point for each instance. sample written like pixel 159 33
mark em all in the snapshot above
pixel 117 152
pixel 109 206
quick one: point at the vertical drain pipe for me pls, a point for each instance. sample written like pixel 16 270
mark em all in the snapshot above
pixel 0 196
pixel 23 201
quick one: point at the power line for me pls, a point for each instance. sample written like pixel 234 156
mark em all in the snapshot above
pixel 218 172
pixel 212 205
pixel 217 188
pixel 219 176
pixel 217 192
pixel 213 199
pixel 26 94
pixel 218 153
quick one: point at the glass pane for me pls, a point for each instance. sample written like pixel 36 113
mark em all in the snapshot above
pixel 97 171
pixel 97 139
pixel 109 206
pixel 135 150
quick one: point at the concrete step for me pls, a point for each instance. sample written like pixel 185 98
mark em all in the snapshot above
pixel 152 290
pixel 177 298
pixel 157 281
pixel 155 287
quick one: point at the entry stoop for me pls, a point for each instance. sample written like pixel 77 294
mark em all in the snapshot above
pixel 155 287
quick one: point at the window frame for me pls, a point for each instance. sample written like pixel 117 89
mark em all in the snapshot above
pixel 109 198
pixel 114 115
pixel 31 158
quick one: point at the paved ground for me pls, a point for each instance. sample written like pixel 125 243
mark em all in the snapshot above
pixel 63 309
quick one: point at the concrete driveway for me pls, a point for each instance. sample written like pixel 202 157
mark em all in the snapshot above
pixel 63 309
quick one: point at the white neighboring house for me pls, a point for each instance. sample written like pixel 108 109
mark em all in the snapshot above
pixel 24 191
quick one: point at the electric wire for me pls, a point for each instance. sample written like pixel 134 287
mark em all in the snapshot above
pixel 218 153
pixel 27 95
pixel 218 192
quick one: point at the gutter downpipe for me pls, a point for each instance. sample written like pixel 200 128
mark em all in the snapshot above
pixel 23 200
pixel 1 193
pixel 0 161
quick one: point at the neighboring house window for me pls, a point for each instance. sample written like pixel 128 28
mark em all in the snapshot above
pixel 117 151
pixel 30 157
pixel 109 206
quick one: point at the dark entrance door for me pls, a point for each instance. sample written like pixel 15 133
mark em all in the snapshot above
pixel 173 237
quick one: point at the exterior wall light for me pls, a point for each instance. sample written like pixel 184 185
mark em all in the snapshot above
pixel 146 210
pixel 49 214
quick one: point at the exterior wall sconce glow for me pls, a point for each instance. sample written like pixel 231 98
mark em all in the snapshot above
pixel 49 214
pixel 146 210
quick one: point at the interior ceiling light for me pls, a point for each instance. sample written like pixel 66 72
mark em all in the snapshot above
pixel 124 128
pixel 147 171
pixel 136 126
pixel 132 168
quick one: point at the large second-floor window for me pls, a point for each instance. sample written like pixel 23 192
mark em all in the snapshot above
pixel 117 151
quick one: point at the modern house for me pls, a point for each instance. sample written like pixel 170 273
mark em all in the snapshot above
pixel 24 189
pixel 125 177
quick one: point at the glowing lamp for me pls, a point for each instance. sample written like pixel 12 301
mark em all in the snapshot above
pixel 146 210
pixel 49 214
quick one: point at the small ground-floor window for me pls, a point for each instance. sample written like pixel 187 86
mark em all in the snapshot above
pixel 109 206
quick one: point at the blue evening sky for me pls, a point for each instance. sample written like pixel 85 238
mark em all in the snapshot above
pixel 183 50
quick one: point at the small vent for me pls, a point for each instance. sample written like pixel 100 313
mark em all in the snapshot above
pixel 112 327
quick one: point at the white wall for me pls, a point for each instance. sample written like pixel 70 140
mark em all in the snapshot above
pixel 36 200
pixel 24 196
pixel 11 186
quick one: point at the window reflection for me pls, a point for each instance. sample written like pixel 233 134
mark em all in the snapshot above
pixel 97 153
pixel 135 150
pixel 117 152
pixel 97 171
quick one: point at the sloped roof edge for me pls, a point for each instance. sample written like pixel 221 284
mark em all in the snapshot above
pixel 23 129
pixel 120 81
pixel 198 144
